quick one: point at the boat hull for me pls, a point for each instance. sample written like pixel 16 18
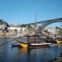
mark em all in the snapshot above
pixel 53 45
pixel 23 45
pixel 33 45
pixel 60 42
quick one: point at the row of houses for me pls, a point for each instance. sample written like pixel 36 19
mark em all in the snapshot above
pixel 24 29
pixel 10 27
pixel 13 29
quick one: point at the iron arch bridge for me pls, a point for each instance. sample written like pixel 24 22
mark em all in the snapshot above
pixel 43 24
pixel 46 23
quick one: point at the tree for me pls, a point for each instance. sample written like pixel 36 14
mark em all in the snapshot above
pixel 6 25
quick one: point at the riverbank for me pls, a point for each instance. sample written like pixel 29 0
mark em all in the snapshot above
pixel 58 59
pixel 10 34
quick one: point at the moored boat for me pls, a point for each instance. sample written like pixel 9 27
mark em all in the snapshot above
pixel 60 42
pixel 53 45
pixel 23 45
pixel 33 45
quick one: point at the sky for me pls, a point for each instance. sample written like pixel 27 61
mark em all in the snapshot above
pixel 24 11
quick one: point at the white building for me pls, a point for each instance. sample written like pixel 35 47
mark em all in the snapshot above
pixel 51 30
pixel 14 27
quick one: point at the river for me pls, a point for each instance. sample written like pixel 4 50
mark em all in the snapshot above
pixel 15 54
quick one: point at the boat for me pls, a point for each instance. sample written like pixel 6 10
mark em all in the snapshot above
pixel 33 45
pixel 23 45
pixel 57 43
pixel 15 45
pixel 60 42
pixel 53 45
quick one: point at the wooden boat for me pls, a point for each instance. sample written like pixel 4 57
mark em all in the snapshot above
pixel 53 45
pixel 33 45
pixel 60 42
pixel 14 45
pixel 24 45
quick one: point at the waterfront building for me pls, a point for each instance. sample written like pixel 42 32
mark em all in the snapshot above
pixel 51 31
pixel 3 25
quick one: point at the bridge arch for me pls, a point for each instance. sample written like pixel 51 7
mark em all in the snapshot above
pixel 46 23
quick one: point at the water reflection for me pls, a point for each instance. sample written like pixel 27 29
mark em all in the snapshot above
pixel 39 55
pixel 8 54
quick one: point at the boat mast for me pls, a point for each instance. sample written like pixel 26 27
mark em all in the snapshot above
pixel 35 23
pixel 35 26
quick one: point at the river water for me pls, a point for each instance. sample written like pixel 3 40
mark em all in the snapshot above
pixel 15 54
